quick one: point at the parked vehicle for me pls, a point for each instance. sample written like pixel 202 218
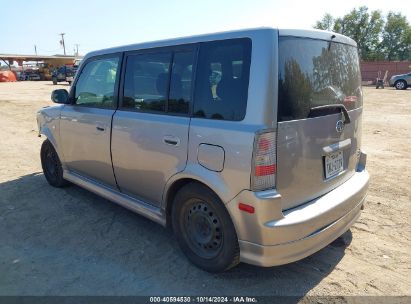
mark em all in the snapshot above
pixel 63 73
pixel 246 143
pixel 28 75
pixel 21 76
pixel 33 76
pixel 401 82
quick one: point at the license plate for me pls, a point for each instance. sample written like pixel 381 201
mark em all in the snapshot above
pixel 333 164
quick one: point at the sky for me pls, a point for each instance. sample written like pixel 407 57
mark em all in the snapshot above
pixel 97 24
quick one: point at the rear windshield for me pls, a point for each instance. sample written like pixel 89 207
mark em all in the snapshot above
pixel 314 73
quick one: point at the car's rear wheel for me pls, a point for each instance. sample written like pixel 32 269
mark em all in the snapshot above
pixel 400 85
pixel 51 165
pixel 204 229
pixel 54 80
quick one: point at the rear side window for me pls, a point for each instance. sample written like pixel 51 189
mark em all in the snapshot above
pixel 181 83
pixel 222 79
pixel 314 73
pixel 146 82
pixel 159 82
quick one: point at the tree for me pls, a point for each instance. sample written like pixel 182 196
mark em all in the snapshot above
pixel 365 28
pixel 396 38
pixel 377 39
pixel 326 23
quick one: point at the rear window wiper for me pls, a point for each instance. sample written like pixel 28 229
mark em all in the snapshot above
pixel 329 42
pixel 326 110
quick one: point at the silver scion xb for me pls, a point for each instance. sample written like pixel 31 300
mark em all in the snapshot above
pixel 246 143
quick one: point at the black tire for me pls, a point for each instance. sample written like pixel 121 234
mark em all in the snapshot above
pixel 51 165
pixel 400 85
pixel 204 230
pixel 54 81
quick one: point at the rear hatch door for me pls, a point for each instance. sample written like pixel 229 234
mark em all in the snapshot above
pixel 317 144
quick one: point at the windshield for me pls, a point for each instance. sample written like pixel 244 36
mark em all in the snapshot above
pixel 314 73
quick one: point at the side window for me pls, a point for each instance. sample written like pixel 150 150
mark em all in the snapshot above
pixel 222 79
pixel 181 83
pixel 96 84
pixel 146 82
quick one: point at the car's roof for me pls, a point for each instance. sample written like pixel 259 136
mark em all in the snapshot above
pixel 250 33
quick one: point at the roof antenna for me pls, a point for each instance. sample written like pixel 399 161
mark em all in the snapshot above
pixel 329 42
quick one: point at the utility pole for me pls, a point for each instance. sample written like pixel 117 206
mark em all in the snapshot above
pixel 35 49
pixel 62 42
pixel 76 52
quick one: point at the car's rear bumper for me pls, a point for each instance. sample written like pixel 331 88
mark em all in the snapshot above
pixel 296 250
pixel 296 233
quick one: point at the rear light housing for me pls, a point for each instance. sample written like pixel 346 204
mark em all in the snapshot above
pixel 264 166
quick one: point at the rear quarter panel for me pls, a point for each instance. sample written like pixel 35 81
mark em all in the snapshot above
pixel 237 137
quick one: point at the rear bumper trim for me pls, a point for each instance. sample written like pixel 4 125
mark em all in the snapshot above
pixel 272 236
pixel 292 251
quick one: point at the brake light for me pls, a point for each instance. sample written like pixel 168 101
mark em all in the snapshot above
pixel 264 161
pixel 265 170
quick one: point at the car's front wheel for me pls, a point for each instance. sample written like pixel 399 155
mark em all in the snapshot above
pixel 204 229
pixel 400 85
pixel 51 165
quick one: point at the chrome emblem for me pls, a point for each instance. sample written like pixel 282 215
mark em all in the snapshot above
pixel 339 126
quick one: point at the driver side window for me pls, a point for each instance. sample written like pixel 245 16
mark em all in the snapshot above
pixel 96 84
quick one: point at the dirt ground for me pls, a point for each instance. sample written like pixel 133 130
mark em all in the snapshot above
pixel 71 242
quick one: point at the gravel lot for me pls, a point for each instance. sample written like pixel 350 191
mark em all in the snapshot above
pixel 71 242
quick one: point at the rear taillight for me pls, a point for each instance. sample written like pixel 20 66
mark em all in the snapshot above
pixel 264 161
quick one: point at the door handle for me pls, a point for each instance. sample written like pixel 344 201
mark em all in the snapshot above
pixel 100 128
pixel 171 140
pixel 341 107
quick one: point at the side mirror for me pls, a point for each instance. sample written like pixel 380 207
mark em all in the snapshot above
pixel 60 96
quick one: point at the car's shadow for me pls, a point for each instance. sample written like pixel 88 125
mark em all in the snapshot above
pixel 58 84
pixel 71 242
